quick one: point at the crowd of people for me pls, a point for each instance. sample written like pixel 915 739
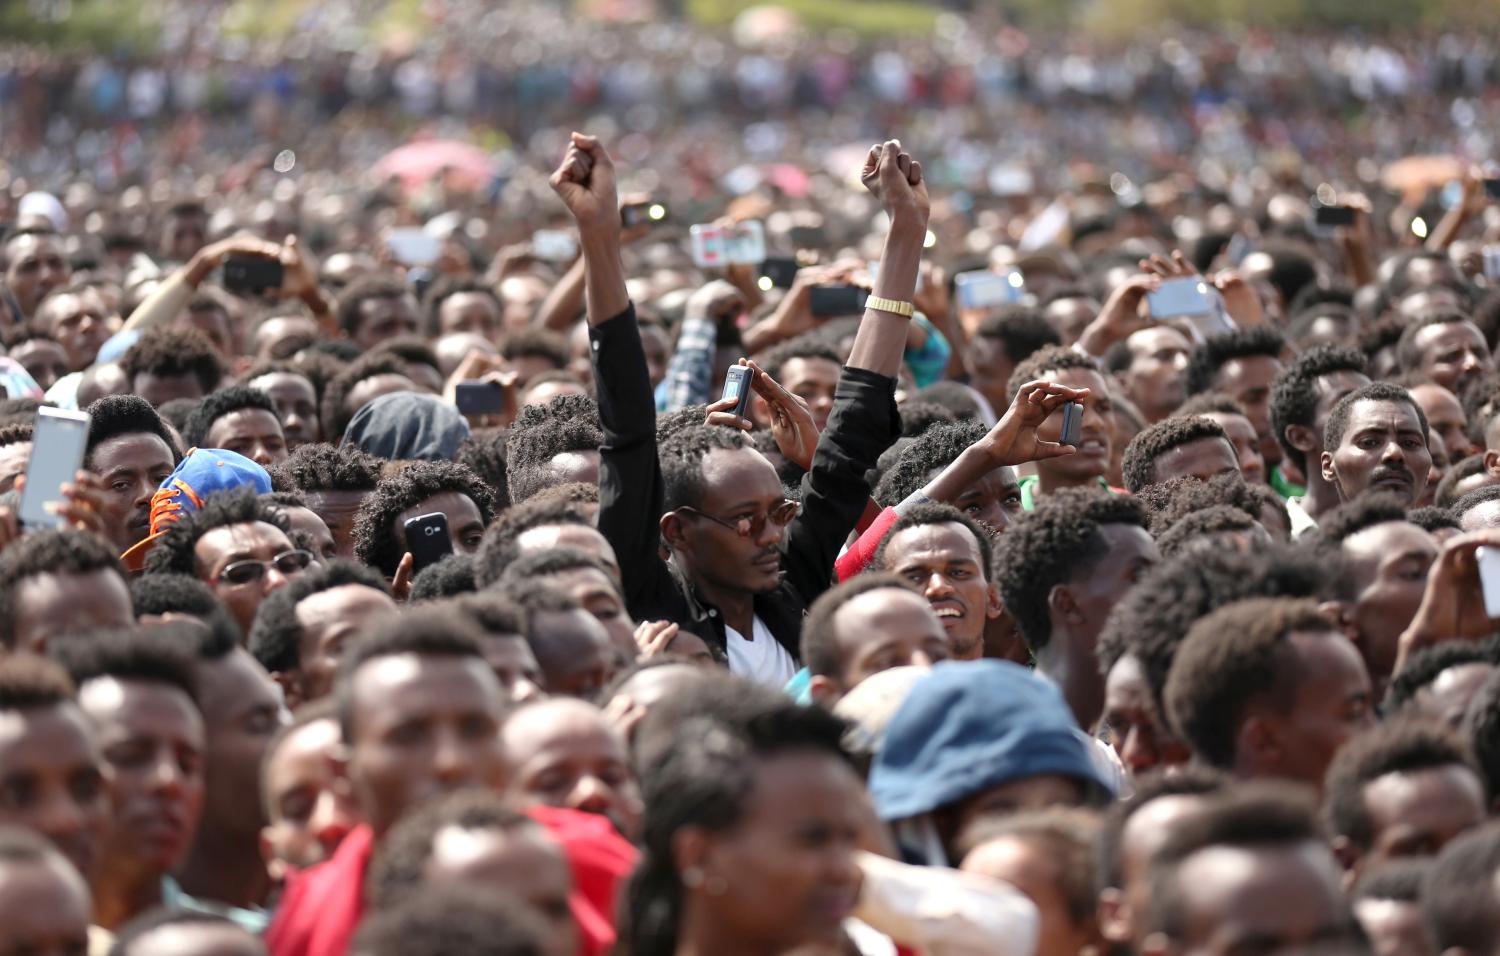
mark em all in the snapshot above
pixel 465 564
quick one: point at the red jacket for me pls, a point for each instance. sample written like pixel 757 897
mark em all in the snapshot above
pixel 322 907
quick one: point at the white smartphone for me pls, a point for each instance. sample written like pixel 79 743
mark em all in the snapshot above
pixel 741 243
pixel 57 445
pixel 413 247
pixel 554 245
pixel 1488 560
pixel 1492 262
pixel 982 289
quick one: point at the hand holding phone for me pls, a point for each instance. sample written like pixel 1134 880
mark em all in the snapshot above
pixel 737 384
pixel 252 275
pixel 830 301
pixel 479 397
pixel 427 539
pixel 58 442
pixel 982 289
pixel 1072 425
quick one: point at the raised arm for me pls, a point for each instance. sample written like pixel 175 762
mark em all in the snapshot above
pixel 586 184
pixel 896 180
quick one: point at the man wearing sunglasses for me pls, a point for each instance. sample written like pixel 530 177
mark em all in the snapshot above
pixel 745 561
pixel 237 545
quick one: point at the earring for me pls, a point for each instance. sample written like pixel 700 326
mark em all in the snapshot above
pixel 716 886
pixel 692 878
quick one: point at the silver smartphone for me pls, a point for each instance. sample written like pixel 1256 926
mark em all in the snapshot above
pixel 57 446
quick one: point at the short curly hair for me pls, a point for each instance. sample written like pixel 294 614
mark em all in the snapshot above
pixel 1294 394
pixel 933 450
pixel 917 417
pixel 1170 501
pixel 173 552
pixel 1059 541
pixel 360 291
pixel 450 577
pixel 682 457
pixel 1427 665
pixel 446 288
pixel 1231 658
pixel 499 547
pixel 1447 489
pixel 65 551
pixel 820 642
pixel 1021 331
pixel 184 594
pixel 1433 519
pixel 1408 356
pixel 1395 746
pixel 1472 500
pixel 934 512
pixel 1338 419
pixel 1358 515
pixel 399 866
pixel 221 403
pixel 174 351
pixel 376 539
pixel 143 656
pixel 1139 463
pixel 1052 358
pixel 536 342
pixel 1210 403
pixel 276 636
pixel 1207 359
pixel 1189 530
pixel 1154 617
pixel 484 452
pixel 319 466
pixel 333 412
pixel 568 423
pixel 1188 781
pixel 116 415
pixel 807 346
pixel 453 921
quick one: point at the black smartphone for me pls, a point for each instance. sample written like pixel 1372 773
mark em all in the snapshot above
pixel 781 270
pixel 1492 187
pixel 808 237
pixel 829 301
pixel 1334 217
pixel 427 539
pixel 648 213
pixel 479 398
pixel 1072 424
pixel 251 275
pixel 737 386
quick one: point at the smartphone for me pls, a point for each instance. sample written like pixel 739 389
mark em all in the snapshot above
pixel 737 386
pixel 1328 218
pixel 1492 187
pixel 1488 560
pixel 1072 424
pixel 1180 297
pixel 982 288
pixel 649 213
pixel 1492 262
pixel 808 237
pixel 734 244
pixel 413 247
pixel 427 539
pixel 780 270
pixel 475 397
pixel 251 275
pixel 827 301
pixel 1239 247
pixel 554 245
pixel 57 445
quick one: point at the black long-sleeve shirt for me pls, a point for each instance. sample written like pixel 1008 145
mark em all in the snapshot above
pixel 863 424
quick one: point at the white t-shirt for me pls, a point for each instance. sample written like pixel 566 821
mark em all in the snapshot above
pixel 761 659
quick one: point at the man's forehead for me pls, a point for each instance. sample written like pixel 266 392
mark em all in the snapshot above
pixel 1383 411
pixel 941 541
pixel 1389 539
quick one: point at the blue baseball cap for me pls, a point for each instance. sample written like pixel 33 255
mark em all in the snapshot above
pixel 201 473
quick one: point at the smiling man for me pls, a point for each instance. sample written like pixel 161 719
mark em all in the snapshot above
pixel 1085 468
pixel 947 557
pixel 1376 439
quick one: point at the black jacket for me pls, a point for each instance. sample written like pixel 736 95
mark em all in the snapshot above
pixel 863 424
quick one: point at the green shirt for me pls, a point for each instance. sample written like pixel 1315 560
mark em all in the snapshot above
pixel 1028 491
pixel 1284 488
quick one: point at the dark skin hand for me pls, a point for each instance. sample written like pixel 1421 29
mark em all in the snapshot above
pixel 1452 605
pixel 82 507
pixel 791 421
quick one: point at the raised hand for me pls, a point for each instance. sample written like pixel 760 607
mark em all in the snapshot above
pixel 896 180
pixel 792 423
pixel 585 182
pixel 1014 440
pixel 1452 605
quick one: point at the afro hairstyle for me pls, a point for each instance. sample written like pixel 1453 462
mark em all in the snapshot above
pixel 377 540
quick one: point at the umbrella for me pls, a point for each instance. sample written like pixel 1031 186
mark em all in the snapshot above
pixel 463 164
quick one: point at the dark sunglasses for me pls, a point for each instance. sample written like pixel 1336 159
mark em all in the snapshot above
pixel 249 571
pixel 751 527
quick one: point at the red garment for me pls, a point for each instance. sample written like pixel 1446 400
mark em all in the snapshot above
pixel 862 551
pixel 322 907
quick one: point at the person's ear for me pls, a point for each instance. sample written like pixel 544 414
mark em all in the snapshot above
pixel 1329 475
pixel 1303 439
pixel 1062 606
pixel 1492 463
pixel 691 848
pixel 994 605
pixel 824 691
pixel 1341 613
pixel 1348 856
pixel 291 692
pixel 275 868
pixel 672 530
pixel 1257 744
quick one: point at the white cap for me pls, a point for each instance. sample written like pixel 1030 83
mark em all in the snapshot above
pixel 45 205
